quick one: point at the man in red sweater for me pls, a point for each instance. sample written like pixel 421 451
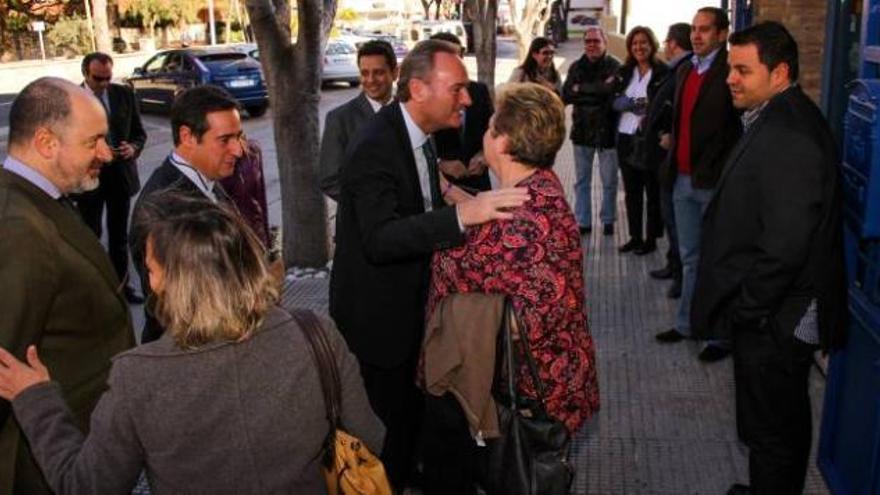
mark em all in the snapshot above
pixel 705 128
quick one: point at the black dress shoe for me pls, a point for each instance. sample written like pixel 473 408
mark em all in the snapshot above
pixel 674 291
pixel 632 245
pixel 713 353
pixel 608 229
pixel 662 273
pixel 585 230
pixel 647 247
pixel 670 336
pixel 131 296
pixel 739 489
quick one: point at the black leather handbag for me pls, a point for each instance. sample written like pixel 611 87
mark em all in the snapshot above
pixel 531 455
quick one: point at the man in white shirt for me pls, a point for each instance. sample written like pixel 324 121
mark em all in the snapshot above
pixel 378 69
pixel 206 128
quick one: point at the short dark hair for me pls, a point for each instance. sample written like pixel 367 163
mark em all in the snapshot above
pixel 95 57
pixel 446 36
pixel 419 64
pixel 378 47
pixel 191 109
pixel 774 43
pixel 42 103
pixel 680 33
pixel 722 22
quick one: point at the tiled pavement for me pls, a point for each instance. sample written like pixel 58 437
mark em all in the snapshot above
pixel 666 425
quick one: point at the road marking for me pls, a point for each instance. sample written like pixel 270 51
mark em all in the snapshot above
pixel 3 104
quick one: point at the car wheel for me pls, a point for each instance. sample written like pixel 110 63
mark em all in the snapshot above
pixel 354 83
pixel 256 110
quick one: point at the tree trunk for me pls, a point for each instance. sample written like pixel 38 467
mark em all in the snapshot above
pixel 483 15
pixel 293 74
pixel 102 28
pixel 426 4
pixel 527 19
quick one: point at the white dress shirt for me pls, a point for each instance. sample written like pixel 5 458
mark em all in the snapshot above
pixel 204 184
pixel 417 139
pixel 637 88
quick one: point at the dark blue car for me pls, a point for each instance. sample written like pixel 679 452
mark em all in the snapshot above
pixel 168 73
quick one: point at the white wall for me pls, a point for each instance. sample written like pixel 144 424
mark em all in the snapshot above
pixel 659 14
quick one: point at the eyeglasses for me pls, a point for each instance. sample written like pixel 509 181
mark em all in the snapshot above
pixel 547 52
pixel 100 79
pixel 592 41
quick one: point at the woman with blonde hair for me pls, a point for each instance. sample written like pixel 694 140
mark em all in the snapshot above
pixel 227 401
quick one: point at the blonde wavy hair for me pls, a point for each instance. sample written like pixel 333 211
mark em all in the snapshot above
pixel 217 285
pixel 533 119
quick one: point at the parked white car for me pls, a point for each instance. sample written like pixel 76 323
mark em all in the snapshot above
pixel 340 61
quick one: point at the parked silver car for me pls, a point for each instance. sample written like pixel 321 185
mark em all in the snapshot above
pixel 340 61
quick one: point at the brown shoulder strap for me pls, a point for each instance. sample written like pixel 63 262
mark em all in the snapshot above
pixel 323 354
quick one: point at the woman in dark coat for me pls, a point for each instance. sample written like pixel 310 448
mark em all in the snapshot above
pixel 638 78
pixel 227 401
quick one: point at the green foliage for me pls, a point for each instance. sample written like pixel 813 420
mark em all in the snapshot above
pixel 70 36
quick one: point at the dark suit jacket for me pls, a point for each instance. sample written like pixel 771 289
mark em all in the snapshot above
pixel 659 117
pixel 165 178
pixel 340 128
pixel 125 125
pixel 452 145
pixel 384 242
pixel 61 293
pixel 715 125
pixel 771 237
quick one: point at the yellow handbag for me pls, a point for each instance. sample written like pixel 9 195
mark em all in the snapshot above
pixel 348 465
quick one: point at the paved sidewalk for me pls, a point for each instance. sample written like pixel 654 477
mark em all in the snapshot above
pixel 667 421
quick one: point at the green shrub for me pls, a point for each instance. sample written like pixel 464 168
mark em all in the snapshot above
pixel 70 37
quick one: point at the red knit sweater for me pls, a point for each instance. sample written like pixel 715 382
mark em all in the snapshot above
pixel 689 95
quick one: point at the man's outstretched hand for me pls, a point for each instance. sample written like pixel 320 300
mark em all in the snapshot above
pixel 491 205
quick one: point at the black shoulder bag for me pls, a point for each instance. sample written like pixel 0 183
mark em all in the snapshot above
pixel 531 455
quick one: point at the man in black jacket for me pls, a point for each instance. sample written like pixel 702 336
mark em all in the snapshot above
pixel 392 217
pixel 771 274
pixel 658 128
pixel 119 179
pixel 461 150
pixel 206 129
pixel 705 126
pixel 589 87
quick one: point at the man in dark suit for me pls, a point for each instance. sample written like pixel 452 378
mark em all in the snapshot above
pixel 119 179
pixel 771 274
pixel 705 126
pixel 461 150
pixel 677 50
pixel 206 129
pixel 391 219
pixel 60 291
pixel 378 68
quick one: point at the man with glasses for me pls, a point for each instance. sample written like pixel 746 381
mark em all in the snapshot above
pixel 677 50
pixel 119 179
pixel 589 88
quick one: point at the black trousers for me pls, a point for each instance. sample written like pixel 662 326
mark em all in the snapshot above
pixel 667 211
pixel 773 415
pixel 454 463
pixel 400 405
pixel 639 183
pixel 117 201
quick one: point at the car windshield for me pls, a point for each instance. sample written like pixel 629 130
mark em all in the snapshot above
pixel 340 49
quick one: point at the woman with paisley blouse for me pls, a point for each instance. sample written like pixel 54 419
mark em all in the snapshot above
pixel 536 258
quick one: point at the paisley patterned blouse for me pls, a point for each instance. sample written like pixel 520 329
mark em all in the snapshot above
pixel 537 260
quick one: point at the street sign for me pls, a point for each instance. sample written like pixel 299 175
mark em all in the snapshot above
pixel 38 26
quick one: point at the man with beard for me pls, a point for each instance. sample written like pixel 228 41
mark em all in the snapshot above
pixel 60 290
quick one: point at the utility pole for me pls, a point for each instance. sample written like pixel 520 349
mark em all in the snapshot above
pixel 211 25
pixel 88 7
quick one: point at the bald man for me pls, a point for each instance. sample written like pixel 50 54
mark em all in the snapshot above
pixel 61 292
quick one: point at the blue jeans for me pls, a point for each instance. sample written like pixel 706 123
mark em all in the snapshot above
pixel 583 167
pixel 689 204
